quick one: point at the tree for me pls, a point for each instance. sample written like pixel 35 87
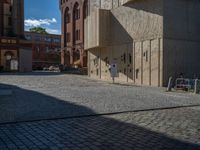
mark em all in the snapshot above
pixel 38 30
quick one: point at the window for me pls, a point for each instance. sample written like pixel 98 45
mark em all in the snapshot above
pixel 145 54
pixel 124 58
pixel 67 18
pixel 10 8
pixel 37 49
pixel 56 40
pixel 28 37
pixel 68 37
pixel 77 36
pixel 37 38
pixel 86 9
pixel 47 49
pixel 137 73
pixel 76 12
pixel 47 39
pixel 130 59
pixel 9 21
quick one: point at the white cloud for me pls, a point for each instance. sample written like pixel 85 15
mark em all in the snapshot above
pixel 39 22
pixel 53 31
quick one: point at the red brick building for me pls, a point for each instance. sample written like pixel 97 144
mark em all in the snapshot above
pixel 72 44
pixel 15 54
pixel 45 49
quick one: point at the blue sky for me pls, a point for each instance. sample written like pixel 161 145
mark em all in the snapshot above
pixel 44 13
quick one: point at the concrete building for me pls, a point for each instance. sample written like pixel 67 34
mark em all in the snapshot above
pixel 149 40
pixel 45 49
pixel 14 52
pixel 73 14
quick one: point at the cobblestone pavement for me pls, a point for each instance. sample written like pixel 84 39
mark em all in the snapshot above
pixel 49 97
pixel 38 96
pixel 169 129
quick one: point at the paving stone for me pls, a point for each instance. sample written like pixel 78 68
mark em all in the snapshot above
pixel 56 96
pixel 46 96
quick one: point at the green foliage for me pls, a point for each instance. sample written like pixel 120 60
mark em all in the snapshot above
pixel 38 30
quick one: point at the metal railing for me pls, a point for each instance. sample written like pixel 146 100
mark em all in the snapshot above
pixel 190 85
pixel 197 86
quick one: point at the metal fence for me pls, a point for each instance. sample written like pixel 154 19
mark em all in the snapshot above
pixel 190 85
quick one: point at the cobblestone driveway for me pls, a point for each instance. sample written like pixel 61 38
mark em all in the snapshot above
pixel 51 97
pixel 174 129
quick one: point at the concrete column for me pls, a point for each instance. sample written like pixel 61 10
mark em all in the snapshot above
pixel 141 62
pixel 159 49
pixel 150 62
pixel 134 61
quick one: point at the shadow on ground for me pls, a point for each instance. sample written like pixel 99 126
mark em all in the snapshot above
pixel 86 132
pixel 34 73
pixel 43 73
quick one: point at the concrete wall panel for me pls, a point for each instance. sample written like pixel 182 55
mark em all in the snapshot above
pixel 181 57
pixel 154 62
pixel 138 63
pixel 146 62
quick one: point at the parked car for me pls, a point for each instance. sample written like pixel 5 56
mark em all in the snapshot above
pixel 45 68
pixel 54 68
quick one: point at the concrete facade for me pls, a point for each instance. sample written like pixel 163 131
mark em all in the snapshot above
pixel 149 40
pixel 181 38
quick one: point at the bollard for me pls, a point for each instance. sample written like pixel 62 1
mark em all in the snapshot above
pixel 169 88
pixel 195 86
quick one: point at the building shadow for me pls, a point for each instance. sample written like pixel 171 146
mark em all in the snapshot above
pixel 70 125
pixel 42 73
pixel 34 73
pixel 147 6
pixel 119 51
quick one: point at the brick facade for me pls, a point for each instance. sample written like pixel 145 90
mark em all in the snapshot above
pixel 45 49
pixel 1 18
pixel 73 13
pixel 13 47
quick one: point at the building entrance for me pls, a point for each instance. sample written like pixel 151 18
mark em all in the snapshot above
pixel 6 59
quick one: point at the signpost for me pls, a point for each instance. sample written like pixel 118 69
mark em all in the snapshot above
pixel 113 71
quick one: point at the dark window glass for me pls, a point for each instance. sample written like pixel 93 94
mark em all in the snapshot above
pixel 137 73
pixel 9 21
pixel 130 59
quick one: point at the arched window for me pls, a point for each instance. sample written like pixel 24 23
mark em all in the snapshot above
pixel 67 16
pixel 85 9
pixel 76 11
pixel 66 21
